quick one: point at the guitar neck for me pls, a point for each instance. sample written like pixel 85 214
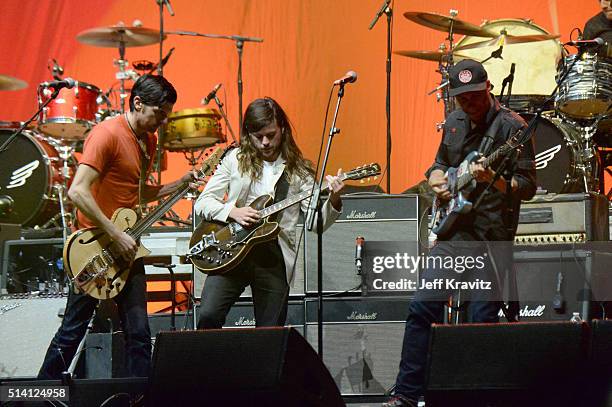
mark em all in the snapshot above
pixel 468 177
pixel 143 224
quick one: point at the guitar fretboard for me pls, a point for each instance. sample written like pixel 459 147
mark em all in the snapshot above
pixel 466 178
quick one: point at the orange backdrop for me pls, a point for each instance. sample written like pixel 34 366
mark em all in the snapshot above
pixel 307 44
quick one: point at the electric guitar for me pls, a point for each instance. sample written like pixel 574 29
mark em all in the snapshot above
pixel 460 184
pixel 90 257
pixel 217 247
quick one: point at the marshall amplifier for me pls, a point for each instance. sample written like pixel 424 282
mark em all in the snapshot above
pixel 553 284
pixel 362 341
pixel 241 315
pixel 376 217
pixel 563 218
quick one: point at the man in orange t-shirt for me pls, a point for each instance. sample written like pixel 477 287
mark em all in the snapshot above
pixel 108 178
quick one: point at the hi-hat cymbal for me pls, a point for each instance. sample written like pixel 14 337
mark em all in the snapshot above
pixel 504 39
pixel 437 56
pixel 443 23
pixel 10 83
pixel 114 36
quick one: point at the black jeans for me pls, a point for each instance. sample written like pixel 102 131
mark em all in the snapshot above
pixel 132 305
pixel 428 308
pixel 264 270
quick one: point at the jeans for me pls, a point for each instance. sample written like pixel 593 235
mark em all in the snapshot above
pixel 132 306
pixel 264 270
pixel 428 308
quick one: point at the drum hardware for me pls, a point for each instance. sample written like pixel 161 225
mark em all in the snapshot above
pixel 504 39
pixel 448 23
pixel 192 129
pixel 120 37
pixel 10 83
pixel 239 41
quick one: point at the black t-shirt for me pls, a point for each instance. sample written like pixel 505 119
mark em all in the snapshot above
pixel 600 26
pixel 487 221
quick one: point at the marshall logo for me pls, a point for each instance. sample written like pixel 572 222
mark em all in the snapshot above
pixel 358 316
pixel 243 321
pixel 361 215
pixel 538 311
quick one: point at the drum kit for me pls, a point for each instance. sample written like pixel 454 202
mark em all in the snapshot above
pixel 35 180
pixel 571 93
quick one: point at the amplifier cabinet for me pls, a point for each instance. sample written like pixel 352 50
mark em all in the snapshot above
pixel 362 341
pixel 376 217
pixel 585 287
pixel 27 325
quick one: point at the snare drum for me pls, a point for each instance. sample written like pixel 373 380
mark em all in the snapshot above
pixel 73 112
pixel 586 91
pixel 30 170
pixel 191 129
pixel 556 155
pixel 536 62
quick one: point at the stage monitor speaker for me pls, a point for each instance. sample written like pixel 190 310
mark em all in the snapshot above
pixel 598 377
pixel 237 367
pixel 585 282
pixel 376 217
pixel 362 341
pixel 526 364
pixel 27 325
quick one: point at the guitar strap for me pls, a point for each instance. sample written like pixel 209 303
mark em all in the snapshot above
pixel 489 136
pixel 281 189
pixel 144 167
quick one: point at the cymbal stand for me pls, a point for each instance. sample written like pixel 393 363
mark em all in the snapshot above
pixel 239 40
pixel 122 75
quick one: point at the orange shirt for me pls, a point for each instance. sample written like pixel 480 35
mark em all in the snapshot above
pixel 112 150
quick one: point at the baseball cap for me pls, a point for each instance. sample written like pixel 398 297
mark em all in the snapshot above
pixel 467 76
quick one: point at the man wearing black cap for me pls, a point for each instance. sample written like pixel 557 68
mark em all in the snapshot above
pixel 480 124
pixel 600 25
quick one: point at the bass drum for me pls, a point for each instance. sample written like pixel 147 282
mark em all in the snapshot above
pixel 536 62
pixel 555 155
pixel 30 170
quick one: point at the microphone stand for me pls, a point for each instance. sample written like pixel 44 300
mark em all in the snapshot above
pixel 314 207
pixel 160 72
pixel 239 40
pixel 387 9
pixel 227 123
pixel 25 124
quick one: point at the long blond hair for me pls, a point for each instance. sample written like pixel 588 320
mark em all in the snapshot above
pixel 259 114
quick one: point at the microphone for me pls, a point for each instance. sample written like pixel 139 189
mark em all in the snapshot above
pixel 558 302
pixel 349 77
pixel 57 85
pixel 359 242
pixel 212 94
pixel 167 3
pixel 595 42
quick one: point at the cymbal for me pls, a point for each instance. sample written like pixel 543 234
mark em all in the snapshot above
pixel 437 56
pixel 10 83
pixel 113 36
pixel 443 23
pixel 508 40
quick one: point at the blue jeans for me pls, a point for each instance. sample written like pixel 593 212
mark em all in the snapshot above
pixel 428 308
pixel 132 305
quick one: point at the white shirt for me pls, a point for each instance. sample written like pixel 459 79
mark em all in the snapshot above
pixel 265 184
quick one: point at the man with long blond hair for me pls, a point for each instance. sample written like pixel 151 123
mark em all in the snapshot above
pixel 268 161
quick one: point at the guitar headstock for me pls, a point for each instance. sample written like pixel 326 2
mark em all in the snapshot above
pixel 365 171
pixel 211 161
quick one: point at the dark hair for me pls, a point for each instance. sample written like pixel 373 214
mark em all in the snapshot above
pixel 259 114
pixel 153 91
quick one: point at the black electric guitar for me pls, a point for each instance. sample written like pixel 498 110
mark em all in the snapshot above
pixel 217 247
pixel 90 257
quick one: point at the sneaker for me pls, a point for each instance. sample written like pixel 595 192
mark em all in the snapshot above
pixel 399 401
